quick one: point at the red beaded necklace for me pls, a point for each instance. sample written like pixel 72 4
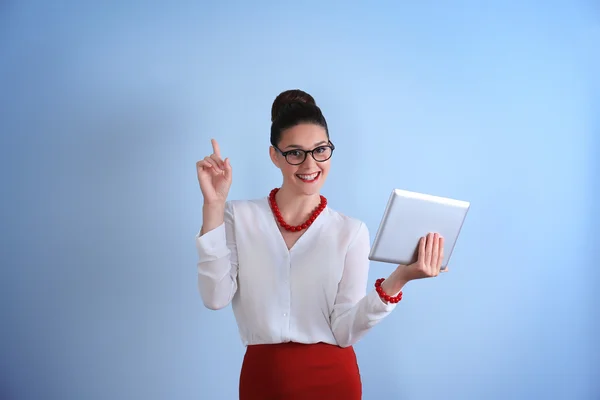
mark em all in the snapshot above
pixel 287 226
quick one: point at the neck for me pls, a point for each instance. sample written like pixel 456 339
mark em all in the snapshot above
pixel 296 207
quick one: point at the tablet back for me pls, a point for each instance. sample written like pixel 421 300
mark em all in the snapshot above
pixel 409 216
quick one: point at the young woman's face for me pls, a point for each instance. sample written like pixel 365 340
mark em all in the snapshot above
pixel 308 177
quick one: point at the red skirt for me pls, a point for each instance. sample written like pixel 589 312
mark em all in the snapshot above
pixel 294 371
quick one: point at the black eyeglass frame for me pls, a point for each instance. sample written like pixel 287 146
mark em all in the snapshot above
pixel 285 153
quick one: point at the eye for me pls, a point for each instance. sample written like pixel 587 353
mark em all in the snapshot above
pixel 321 149
pixel 295 153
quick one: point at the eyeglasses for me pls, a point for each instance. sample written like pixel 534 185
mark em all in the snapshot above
pixel 319 154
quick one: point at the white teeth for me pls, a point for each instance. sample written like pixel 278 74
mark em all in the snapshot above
pixel 308 177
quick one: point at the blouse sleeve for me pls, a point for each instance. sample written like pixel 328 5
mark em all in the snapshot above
pixel 218 263
pixel 354 311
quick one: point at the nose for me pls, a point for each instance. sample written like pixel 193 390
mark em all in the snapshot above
pixel 309 161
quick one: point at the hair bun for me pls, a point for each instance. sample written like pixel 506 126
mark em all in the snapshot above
pixel 290 97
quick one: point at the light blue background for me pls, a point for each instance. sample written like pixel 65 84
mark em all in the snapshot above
pixel 104 110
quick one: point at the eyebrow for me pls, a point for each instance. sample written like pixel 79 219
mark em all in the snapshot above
pixel 295 146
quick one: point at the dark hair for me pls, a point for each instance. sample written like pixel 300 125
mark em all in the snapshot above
pixel 291 108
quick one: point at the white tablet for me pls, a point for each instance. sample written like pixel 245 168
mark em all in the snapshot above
pixel 408 216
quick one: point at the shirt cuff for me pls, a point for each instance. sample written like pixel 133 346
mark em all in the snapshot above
pixel 378 305
pixel 213 244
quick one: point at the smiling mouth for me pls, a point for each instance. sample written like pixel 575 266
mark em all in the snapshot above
pixel 309 177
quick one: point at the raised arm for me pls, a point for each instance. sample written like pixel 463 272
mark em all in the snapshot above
pixel 217 252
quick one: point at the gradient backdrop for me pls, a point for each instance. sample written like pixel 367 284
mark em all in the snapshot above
pixel 105 107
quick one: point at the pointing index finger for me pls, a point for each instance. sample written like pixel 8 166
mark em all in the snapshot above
pixel 216 149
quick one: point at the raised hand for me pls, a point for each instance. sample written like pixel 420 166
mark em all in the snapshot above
pixel 214 176
pixel 429 258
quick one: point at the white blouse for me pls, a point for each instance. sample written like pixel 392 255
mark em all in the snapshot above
pixel 314 292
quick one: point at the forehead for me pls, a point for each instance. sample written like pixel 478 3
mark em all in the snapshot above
pixel 304 136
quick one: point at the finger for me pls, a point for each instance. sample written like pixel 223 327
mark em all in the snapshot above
pixel 208 167
pixel 215 147
pixel 216 171
pixel 203 165
pixel 441 253
pixel 421 252
pixel 227 169
pixel 428 250
pixel 433 267
pixel 217 160
pixel 213 163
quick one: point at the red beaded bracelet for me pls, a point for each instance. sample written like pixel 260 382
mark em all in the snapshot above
pixel 383 295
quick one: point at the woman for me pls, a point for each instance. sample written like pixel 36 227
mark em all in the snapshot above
pixel 294 269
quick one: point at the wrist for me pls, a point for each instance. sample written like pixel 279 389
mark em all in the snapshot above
pixel 387 294
pixel 394 283
pixel 217 205
pixel 213 215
